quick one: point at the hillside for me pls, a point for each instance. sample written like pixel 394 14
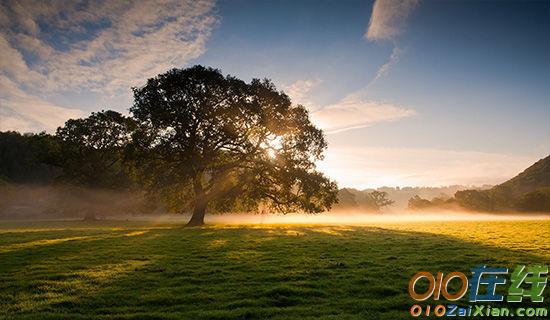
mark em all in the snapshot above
pixel 528 191
pixel 535 177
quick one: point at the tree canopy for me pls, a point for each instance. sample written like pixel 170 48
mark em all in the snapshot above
pixel 233 145
pixel 93 149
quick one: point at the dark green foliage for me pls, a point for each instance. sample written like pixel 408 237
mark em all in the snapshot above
pixel 84 152
pixel 479 200
pixel 535 201
pixel 80 170
pixel 93 150
pixel 231 145
pixel 29 158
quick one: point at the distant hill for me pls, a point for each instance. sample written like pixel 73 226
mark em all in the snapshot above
pixel 533 178
pixel 528 191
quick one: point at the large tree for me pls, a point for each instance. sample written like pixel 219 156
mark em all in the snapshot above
pixel 93 150
pixel 228 144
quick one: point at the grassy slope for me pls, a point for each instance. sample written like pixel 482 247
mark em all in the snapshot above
pixel 130 270
pixel 532 178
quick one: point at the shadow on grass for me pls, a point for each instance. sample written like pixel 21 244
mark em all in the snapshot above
pixel 39 273
pixel 240 273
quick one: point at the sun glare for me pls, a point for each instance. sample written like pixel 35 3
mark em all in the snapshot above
pixel 273 145
pixel 271 153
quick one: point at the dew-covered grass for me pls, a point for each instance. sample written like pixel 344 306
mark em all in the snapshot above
pixel 143 270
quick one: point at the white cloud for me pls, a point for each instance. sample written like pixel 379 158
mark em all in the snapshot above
pixel 22 112
pixel 101 46
pixel 388 18
pixel 386 23
pixel 34 46
pixel 299 91
pixel 365 167
pixel 14 66
pixel 354 111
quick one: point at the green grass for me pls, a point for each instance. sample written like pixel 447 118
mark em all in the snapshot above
pixel 137 270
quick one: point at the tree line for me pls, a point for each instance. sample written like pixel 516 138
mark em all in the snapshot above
pixel 195 140
pixel 488 201
pixel 363 200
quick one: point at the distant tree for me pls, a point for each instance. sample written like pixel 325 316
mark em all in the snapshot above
pixel 418 203
pixel 346 199
pixel 224 144
pixel 474 200
pixel 438 202
pixel 93 149
pixel 29 158
pixel 380 199
pixel 441 202
pixel 93 152
pixel 501 197
pixel 535 201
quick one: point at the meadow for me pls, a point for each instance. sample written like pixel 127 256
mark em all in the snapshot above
pixel 147 270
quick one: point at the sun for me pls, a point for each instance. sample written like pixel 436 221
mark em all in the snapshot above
pixel 271 153
pixel 273 145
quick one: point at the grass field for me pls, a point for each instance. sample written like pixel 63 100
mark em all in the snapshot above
pixel 142 270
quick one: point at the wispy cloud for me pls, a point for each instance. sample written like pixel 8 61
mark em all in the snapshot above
pixel 385 68
pixel 23 112
pixel 100 46
pixel 13 65
pixel 363 167
pixel 388 18
pixel 354 111
pixel 386 23
pixel 299 91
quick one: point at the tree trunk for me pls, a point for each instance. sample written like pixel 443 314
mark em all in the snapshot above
pixel 201 202
pixel 197 219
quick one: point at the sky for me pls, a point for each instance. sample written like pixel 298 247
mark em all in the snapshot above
pixel 409 93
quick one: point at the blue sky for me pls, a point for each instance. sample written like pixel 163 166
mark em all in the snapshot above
pixel 409 92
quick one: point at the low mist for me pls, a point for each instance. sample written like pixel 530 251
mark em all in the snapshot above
pixel 18 201
pixel 69 202
pixel 358 218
